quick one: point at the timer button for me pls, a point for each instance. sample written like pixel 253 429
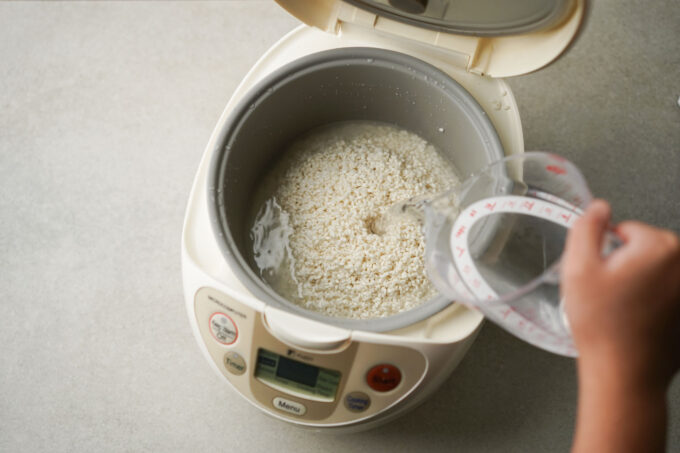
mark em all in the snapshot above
pixel 234 363
pixel 383 378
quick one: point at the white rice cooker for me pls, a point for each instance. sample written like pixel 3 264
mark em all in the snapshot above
pixel 433 67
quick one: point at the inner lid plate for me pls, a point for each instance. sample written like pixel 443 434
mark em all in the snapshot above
pixel 471 17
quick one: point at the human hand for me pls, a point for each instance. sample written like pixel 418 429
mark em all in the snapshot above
pixel 624 309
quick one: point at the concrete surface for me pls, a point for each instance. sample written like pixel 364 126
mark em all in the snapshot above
pixel 105 108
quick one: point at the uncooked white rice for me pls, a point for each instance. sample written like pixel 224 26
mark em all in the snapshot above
pixel 312 238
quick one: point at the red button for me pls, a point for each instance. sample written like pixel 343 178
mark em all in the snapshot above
pixel 383 378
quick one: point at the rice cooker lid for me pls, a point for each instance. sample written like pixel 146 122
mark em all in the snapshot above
pixel 496 38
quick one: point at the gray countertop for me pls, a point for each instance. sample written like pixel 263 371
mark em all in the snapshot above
pixel 105 110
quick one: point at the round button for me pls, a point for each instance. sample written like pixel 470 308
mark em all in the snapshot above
pixel 223 328
pixel 234 363
pixel 383 378
pixel 357 401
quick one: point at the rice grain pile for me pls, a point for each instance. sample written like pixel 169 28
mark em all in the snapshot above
pixel 313 241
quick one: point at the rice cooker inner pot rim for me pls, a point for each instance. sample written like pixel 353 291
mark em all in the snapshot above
pixel 391 60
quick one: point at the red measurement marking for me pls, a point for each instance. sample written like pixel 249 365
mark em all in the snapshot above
pixel 473 213
pixel 566 217
pixel 547 210
pixel 489 297
pixel 507 312
pixel 460 231
pixel 509 204
pixel 467 269
pixel 528 205
pixel 555 169
pixel 490 206
pixel 460 251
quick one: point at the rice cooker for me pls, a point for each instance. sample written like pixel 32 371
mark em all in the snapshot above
pixel 432 67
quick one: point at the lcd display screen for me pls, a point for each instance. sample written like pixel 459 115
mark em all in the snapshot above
pixel 296 377
pixel 297 371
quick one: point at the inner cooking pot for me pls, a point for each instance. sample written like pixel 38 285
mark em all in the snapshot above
pixel 346 84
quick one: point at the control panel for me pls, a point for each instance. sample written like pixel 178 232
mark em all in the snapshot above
pixel 355 381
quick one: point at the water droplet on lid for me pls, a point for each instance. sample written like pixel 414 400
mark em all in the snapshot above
pixel 441 129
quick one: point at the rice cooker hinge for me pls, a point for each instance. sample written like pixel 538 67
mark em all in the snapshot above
pixel 461 51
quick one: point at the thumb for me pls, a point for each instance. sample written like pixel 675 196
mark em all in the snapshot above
pixel 584 241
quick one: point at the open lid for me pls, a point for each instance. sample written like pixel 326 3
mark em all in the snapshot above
pixel 494 38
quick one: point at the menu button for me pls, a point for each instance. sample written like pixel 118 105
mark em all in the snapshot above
pixel 292 407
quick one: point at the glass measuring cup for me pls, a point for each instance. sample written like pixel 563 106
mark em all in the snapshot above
pixel 494 243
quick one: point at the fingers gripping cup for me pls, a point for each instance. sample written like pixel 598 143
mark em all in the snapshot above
pixel 495 242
